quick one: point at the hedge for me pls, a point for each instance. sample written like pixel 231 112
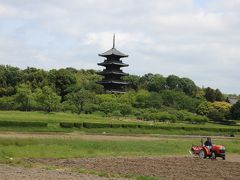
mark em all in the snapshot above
pixel 144 126
pixel 22 124
pixel 96 125
pixel 66 124
pixel 78 125
pixel 116 125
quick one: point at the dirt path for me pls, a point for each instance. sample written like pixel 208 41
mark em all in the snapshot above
pixel 16 173
pixel 179 168
pixel 101 137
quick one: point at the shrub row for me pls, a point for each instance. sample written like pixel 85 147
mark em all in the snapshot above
pixel 22 124
pixel 108 125
pixel 96 125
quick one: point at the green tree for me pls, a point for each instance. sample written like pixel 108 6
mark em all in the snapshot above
pixel 63 81
pixel 142 98
pixel 188 86
pixel 174 82
pixel 10 76
pixel 222 106
pixel 133 80
pixel 86 79
pixel 125 109
pixel 128 97
pixel 154 100
pixel 106 98
pixel 200 93
pixel 108 107
pixel 47 99
pixel 80 99
pixel 217 111
pixel 153 82
pixel 36 77
pixel 219 96
pixel 205 108
pixel 235 110
pixel 216 115
pixel 210 94
pixel 179 100
pixel 24 97
pixel 7 103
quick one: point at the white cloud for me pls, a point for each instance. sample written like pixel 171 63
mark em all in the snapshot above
pixel 7 11
pixel 201 42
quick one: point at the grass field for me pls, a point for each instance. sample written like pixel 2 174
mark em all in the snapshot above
pixel 62 148
pixel 53 120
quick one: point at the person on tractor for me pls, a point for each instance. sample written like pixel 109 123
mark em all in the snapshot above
pixel 208 143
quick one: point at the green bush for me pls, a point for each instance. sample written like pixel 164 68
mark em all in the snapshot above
pixel 116 125
pixel 130 126
pixel 7 103
pixel 235 110
pixel 160 116
pixel 66 124
pixel 96 125
pixel 78 125
pixel 197 119
pixel 216 115
pixel 22 124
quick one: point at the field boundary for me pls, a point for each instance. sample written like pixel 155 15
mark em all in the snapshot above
pixel 90 125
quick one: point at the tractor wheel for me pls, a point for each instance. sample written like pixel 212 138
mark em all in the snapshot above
pixel 202 154
pixel 213 156
pixel 223 157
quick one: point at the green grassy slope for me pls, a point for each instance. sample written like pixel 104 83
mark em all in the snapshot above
pixel 53 120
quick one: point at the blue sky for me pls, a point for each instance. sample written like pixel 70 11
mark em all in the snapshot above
pixel 200 3
pixel 198 39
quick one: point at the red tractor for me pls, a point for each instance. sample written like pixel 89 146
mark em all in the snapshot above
pixel 204 151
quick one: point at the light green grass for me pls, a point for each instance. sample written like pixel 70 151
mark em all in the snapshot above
pixel 53 120
pixel 62 148
pixel 57 117
pixel 50 117
pixel 124 131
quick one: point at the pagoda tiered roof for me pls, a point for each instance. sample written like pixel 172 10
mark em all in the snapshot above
pixel 106 72
pixel 119 63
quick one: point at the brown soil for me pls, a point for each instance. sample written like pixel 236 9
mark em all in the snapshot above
pixel 16 173
pixel 160 167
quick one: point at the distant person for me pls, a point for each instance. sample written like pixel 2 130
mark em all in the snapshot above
pixel 208 143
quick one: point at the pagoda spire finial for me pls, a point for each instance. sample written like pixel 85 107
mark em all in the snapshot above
pixel 113 40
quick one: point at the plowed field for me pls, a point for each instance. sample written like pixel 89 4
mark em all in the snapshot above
pixel 159 167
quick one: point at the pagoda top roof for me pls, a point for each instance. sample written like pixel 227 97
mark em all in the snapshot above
pixel 113 51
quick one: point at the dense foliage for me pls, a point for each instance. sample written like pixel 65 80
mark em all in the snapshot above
pixel 148 97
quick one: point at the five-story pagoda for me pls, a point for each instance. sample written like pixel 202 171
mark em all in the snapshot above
pixel 112 73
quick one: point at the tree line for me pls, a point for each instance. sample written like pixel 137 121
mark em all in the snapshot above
pixel 148 97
